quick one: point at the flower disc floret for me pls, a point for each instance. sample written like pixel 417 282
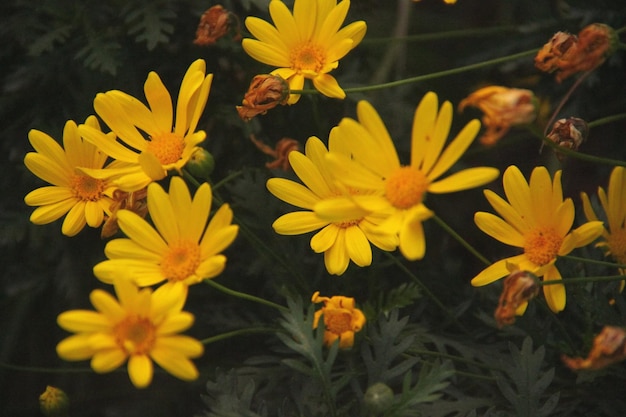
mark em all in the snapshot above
pixel 405 187
pixel 542 245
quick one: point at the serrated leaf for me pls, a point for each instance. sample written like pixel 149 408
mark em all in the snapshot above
pixel 150 23
pixel 46 42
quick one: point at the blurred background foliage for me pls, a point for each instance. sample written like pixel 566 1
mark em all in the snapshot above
pixel 57 55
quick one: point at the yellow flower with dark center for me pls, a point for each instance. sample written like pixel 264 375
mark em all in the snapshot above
pixel 614 205
pixel 152 140
pixel 371 167
pixel 140 326
pixel 347 232
pixel 83 198
pixel 305 44
pixel 179 248
pixel 341 319
pixel 537 220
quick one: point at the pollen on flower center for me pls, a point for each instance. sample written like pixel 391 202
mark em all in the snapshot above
pixel 168 147
pixel 616 242
pixel 87 188
pixel 405 187
pixel 338 321
pixel 136 335
pixel 181 260
pixel 307 57
pixel 542 245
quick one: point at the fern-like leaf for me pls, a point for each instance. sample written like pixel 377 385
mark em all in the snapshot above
pixel 150 23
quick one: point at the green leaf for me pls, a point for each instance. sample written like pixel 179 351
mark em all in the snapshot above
pixel 150 23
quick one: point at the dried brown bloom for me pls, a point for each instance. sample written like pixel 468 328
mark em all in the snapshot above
pixel 280 153
pixel 503 107
pixel 609 347
pixel 568 54
pixel 568 133
pixel 214 24
pixel 266 91
pixel 519 288
pixel 133 201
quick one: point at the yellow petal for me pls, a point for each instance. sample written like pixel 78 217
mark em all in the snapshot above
pixel 297 223
pixel 358 247
pixel 183 345
pixel 437 139
pixel 555 294
pixel 292 192
pixel 75 348
pixel 423 125
pixel 75 220
pixel 162 213
pixel 328 85
pixel 336 257
pixel 175 363
pixel 108 360
pixel 325 238
pixel 160 102
pixel 140 370
pixel 455 150
pixel 339 209
pixel 51 212
pixel 495 271
pixel 464 180
pixel 497 228
pixel 140 231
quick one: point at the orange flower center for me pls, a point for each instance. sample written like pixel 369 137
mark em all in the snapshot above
pixel 168 147
pixel 307 57
pixel 338 321
pixel 406 187
pixel 616 242
pixel 181 260
pixel 542 245
pixel 86 188
pixel 136 335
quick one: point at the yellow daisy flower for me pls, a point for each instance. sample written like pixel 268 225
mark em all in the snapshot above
pixel 140 326
pixel 151 140
pixel 383 185
pixel 179 248
pixel 614 206
pixel 84 199
pixel 347 235
pixel 305 44
pixel 537 220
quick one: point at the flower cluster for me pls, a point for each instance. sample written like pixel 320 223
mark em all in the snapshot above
pixel 182 248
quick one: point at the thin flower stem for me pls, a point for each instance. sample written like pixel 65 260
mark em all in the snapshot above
pixel 41 370
pixel 428 292
pixel 607 119
pixel 244 296
pixel 572 153
pixel 452 34
pixel 593 261
pixel 235 333
pixel 584 280
pixel 431 76
pixel 226 180
pixel 462 241
pixel 569 93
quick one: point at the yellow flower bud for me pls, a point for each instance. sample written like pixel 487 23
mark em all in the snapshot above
pixel 54 402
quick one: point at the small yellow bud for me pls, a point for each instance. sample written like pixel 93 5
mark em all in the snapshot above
pixel 54 402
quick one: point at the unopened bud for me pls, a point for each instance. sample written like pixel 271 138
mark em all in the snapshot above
pixel 378 398
pixel 568 133
pixel 201 164
pixel 54 402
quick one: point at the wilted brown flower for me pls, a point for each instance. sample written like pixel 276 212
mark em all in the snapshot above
pixel 122 200
pixel 280 153
pixel 503 107
pixel 266 91
pixel 609 347
pixel 214 24
pixel 519 288
pixel 568 54
pixel 568 133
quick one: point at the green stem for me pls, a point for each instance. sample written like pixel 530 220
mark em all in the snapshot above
pixel 462 241
pixel 452 34
pixel 593 261
pixel 572 153
pixel 607 119
pixel 235 333
pixel 244 296
pixel 584 280
pixel 455 358
pixel 44 370
pixel 226 180
pixel 428 292
pixel 431 76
